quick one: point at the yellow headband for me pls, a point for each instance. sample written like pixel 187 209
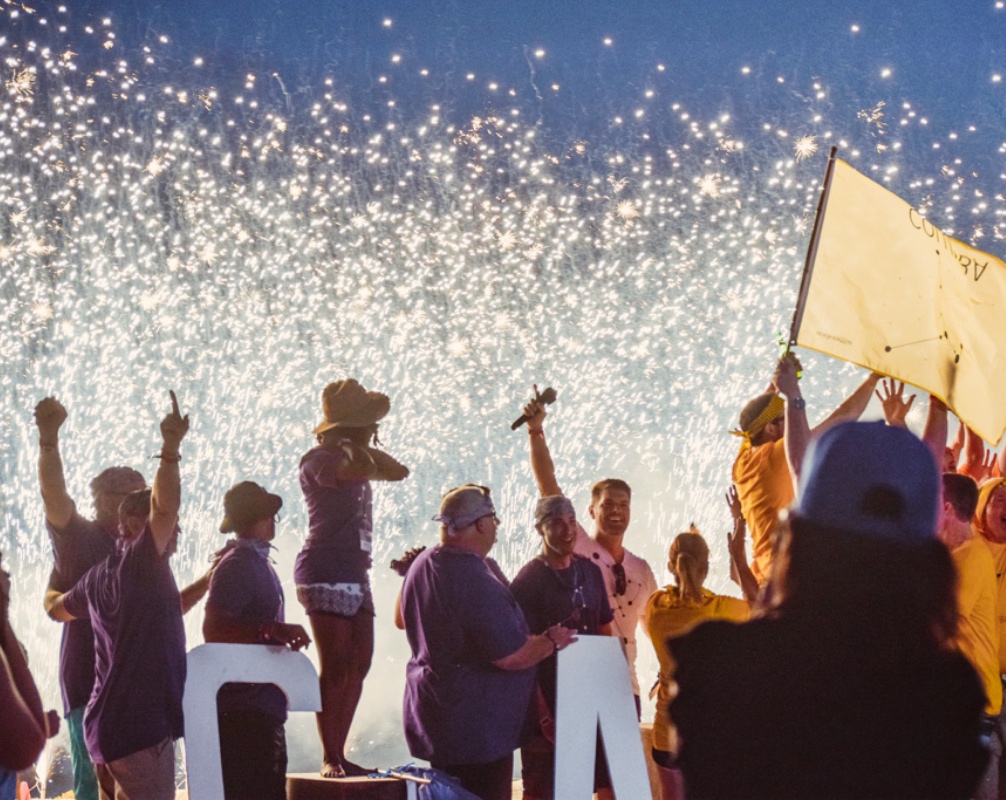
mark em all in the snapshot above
pixel 774 408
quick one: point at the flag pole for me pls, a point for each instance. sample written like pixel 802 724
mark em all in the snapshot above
pixel 815 237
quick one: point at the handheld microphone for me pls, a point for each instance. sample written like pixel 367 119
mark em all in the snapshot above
pixel 547 397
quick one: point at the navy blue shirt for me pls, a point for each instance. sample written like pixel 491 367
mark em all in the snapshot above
pixel 246 587
pixel 132 601
pixel 574 597
pixel 459 618
pixel 339 512
pixel 77 548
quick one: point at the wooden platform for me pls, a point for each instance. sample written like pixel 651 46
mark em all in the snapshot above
pixel 311 786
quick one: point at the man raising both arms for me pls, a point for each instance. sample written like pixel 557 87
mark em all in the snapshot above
pixel 628 579
pixel 775 432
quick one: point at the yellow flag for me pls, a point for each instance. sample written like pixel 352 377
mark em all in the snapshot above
pixel 888 290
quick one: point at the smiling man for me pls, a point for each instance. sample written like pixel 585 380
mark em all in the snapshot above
pixel 628 579
pixel 560 588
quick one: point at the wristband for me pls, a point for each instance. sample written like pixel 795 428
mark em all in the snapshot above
pixel 539 432
pixel 265 632
pixel 797 403
pixel 171 459
pixel 47 447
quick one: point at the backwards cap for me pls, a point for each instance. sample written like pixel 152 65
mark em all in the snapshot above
pixel 873 479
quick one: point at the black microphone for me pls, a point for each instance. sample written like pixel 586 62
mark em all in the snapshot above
pixel 547 397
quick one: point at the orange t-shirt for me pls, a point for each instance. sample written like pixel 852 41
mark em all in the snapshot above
pixel 978 618
pixel 765 488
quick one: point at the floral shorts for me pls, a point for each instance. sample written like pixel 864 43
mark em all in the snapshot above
pixel 341 599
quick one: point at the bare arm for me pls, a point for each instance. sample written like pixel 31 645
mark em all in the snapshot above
pixel 196 591
pixel 24 729
pixel 974 456
pixel 49 416
pixel 369 464
pixel 219 627
pixel 605 630
pixel 853 406
pixel 56 609
pixel 541 458
pixel 740 570
pixel 399 619
pixel 935 433
pixel 797 429
pixel 166 496
pixel 537 648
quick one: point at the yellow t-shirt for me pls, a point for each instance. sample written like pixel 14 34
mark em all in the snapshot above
pixel 765 487
pixel 978 628
pixel 666 617
pixel 998 552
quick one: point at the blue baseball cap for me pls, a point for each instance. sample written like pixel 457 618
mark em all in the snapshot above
pixel 873 479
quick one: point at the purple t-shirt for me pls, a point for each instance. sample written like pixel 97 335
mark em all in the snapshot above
pixel 133 604
pixel 246 587
pixel 459 618
pixel 574 597
pixel 338 546
pixel 77 548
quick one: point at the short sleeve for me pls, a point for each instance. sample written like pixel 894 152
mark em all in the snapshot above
pixel 492 620
pixel 75 601
pixel 320 467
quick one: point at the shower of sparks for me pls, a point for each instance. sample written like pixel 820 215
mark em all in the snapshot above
pixel 874 116
pixel 245 248
pixel 805 147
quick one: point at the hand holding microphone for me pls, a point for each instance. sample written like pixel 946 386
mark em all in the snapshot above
pixel 545 398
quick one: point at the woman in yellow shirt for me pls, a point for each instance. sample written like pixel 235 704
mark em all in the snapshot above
pixel 675 610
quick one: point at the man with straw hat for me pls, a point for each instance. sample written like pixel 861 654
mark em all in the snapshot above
pixel 332 570
pixel 775 432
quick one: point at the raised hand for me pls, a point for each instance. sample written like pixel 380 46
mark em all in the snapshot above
pixel 49 416
pixel 734 504
pixel 535 412
pixel 174 426
pixel 896 407
pixel 785 379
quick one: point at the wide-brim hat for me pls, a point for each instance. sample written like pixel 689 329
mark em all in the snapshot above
pixel 245 504
pixel 346 404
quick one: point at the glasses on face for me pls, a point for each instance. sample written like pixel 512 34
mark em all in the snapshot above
pixel 621 582
pixel 491 516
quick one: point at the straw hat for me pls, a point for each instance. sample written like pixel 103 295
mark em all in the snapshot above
pixel 346 404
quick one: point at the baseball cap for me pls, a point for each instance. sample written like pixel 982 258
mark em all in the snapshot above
pixel 873 479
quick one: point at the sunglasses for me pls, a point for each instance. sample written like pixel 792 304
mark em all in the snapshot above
pixel 621 583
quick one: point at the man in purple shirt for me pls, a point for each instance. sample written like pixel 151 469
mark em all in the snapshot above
pixel 245 606
pixel 134 713
pixel 77 544
pixel 469 681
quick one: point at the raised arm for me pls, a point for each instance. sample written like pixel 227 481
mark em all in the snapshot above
pixel 892 398
pixel 978 462
pixel 541 458
pixel 934 436
pixel 797 429
pixel 740 570
pixel 370 464
pixel 49 416
pixel 853 406
pixel 166 496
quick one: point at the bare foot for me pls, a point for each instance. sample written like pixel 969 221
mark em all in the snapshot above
pixel 329 770
pixel 355 770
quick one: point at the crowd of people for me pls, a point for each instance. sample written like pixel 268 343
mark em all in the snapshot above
pixel 864 657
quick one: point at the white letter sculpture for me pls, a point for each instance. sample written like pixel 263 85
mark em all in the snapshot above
pixel 595 690
pixel 210 666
